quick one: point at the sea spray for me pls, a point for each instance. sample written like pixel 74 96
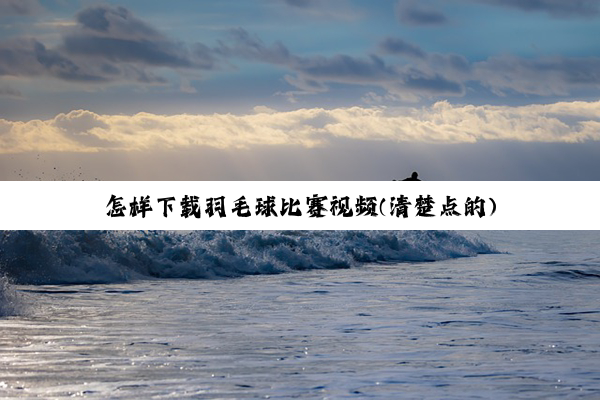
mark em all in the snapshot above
pixel 56 257
pixel 11 303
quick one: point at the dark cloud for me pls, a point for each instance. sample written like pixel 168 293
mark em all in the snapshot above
pixel 557 8
pixel 416 13
pixel 28 57
pixel 448 73
pixel 413 13
pixel 115 21
pixel 344 68
pixel 109 44
pixel 19 7
pixel 402 48
pixel 114 34
pixel 545 76
pixel 243 44
pixel 448 64
pixel 434 85
pixel 315 72
pixel 129 51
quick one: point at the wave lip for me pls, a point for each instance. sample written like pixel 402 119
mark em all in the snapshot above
pixel 73 257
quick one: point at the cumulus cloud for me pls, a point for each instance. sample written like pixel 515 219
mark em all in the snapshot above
pixel 85 131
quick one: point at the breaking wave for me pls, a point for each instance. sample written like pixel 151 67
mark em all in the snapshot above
pixel 10 300
pixel 77 257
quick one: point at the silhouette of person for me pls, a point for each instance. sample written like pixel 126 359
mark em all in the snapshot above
pixel 413 177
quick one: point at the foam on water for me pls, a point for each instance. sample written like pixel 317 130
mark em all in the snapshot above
pixel 58 257
pixel 519 324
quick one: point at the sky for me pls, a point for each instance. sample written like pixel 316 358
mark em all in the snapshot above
pixel 299 89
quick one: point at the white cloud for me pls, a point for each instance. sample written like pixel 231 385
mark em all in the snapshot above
pixel 85 131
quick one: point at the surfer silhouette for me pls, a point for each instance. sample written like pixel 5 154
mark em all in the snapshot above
pixel 413 177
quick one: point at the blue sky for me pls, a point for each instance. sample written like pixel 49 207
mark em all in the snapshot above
pixel 299 75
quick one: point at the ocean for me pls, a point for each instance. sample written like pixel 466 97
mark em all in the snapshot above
pixel 300 314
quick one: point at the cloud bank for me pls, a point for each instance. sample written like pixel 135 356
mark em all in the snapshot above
pixel 107 44
pixel 110 45
pixel 420 74
pixel 85 131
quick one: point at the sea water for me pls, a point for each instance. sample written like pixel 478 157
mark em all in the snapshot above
pixel 300 314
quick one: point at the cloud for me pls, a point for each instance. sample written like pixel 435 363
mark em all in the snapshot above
pixel 412 13
pixel 400 47
pixel 19 7
pixel 28 57
pixel 114 34
pixel 77 126
pixel 315 72
pixel 329 9
pixel 544 76
pixel 85 131
pixel 556 8
pixel 425 75
pixel 22 57
pixel 108 44
pixel 243 44
pixel 115 21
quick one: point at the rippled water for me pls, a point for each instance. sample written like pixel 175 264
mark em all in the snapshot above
pixel 520 324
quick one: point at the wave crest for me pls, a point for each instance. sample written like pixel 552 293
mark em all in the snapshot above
pixel 56 257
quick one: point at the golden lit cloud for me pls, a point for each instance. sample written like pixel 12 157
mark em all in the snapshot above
pixel 85 131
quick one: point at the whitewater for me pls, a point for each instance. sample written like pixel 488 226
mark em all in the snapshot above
pixel 328 314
